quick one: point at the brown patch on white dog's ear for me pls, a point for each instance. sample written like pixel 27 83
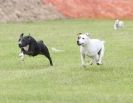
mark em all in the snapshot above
pixel 79 34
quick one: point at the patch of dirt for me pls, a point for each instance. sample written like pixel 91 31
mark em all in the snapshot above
pixel 27 10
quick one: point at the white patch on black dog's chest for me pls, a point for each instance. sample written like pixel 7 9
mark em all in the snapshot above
pixel 26 48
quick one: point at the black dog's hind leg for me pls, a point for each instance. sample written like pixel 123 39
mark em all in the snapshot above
pixel 49 57
pixel 45 52
pixel 50 60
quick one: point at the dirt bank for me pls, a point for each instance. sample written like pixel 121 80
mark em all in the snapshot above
pixel 27 10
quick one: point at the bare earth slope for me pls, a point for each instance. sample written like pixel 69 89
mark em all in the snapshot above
pixel 26 10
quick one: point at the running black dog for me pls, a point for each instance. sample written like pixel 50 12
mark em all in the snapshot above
pixel 31 47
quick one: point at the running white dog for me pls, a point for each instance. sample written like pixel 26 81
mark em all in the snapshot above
pixel 94 48
pixel 118 24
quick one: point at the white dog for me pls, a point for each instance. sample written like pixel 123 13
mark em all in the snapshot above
pixel 93 48
pixel 118 24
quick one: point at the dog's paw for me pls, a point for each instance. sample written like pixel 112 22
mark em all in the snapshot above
pixel 91 63
pixel 99 63
pixel 83 65
pixel 20 54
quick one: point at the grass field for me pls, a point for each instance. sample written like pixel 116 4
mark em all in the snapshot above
pixel 34 81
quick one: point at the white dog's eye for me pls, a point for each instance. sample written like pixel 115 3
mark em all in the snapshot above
pixel 83 38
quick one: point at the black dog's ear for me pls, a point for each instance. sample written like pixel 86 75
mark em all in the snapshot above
pixel 29 37
pixel 21 35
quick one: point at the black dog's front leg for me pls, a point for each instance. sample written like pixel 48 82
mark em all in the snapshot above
pixel 21 54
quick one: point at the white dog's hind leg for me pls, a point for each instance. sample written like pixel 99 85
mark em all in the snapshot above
pixel 91 62
pixel 96 59
pixel 101 54
pixel 121 24
pixel 115 27
pixel 83 60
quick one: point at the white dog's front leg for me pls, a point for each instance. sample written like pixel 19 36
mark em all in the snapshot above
pixel 83 60
pixel 22 56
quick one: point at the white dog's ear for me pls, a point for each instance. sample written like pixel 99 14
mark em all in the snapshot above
pixel 88 34
pixel 79 34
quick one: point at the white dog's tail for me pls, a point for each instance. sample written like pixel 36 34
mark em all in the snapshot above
pixel 103 49
pixel 101 53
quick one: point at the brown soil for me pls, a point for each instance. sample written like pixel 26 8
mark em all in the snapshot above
pixel 26 10
pixel 113 9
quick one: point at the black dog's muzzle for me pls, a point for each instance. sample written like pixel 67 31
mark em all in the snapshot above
pixel 20 45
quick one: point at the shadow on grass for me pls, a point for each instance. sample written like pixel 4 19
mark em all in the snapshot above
pixel 34 66
pixel 98 68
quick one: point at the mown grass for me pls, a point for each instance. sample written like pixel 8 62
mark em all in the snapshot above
pixel 34 81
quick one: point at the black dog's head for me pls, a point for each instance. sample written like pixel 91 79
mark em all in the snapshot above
pixel 24 40
pixel 31 47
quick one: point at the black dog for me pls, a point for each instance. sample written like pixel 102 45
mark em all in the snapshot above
pixel 31 47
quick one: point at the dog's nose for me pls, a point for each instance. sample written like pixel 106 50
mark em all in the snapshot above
pixel 77 42
pixel 20 45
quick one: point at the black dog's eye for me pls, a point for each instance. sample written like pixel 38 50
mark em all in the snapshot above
pixel 23 40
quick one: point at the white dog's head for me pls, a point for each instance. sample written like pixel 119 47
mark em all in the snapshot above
pixel 118 24
pixel 83 38
pixel 116 21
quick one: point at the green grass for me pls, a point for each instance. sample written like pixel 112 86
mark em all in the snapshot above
pixel 34 81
